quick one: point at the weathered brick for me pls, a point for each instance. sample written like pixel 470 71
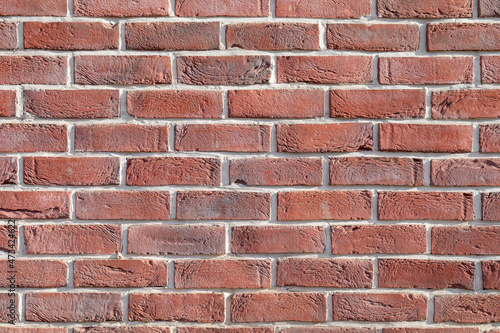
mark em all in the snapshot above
pixel 463 37
pixel 34 8
pixel 33 137
pixel 7 311
pixel 491 274
pixel 329 329
pixel 33 330
pixel 39 205
pixel 467 308
pixel 489 138
pixel 466 104
pixel 120 8
pixel 323 8
pixel 226 330
pixel 243 8
pixel 465 172
pixel 489 8
pixel 468 240
pixel 8 170
pixel 8 35
pixel 430 330
pixel 424 9
pixel 33 70
pixel 9 239
pixel 123 329
pixel 490 207
pixel 490 69
pixel 36 273
pixel 7 103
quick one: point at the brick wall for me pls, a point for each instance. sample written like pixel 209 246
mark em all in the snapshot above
pixel 257 166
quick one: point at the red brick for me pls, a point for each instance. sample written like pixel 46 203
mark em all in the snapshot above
pixel 491 274
pixel 489 8
pixel 323 138
pixel 33 8
pixel 176 239
pixel 331 273
pixel 465 172
pixel 71 36
pixel 490 69
pixel 463 37
pixel 430 330
pixel 467 308
pixel 489 138
pixel 223 137
pixel 466 104
pixel 276 103
pixel 379 307
pixel 376 171
pixel 9 239
pixel 324 205
pixel 278 239
pixel 457 206
pixel 40 205
pixel 71 171
pixel 325 69
pixel 8 170
pixel 222 8
pixel 123 205
pixel 276 306
pixel 468 240
pixel 276 171
pixel 223 70
pixel 121 138
pixel 80 104
pixel 123 329
pixel 313 329
pixel 226 330
pixel 173 171
pixel 490 206
pixel 37 273
pixel 199 307
pixel 273 36
pixel 175 104
pixel 73 307
pixel 424 8
pixel 121 273
pixel 426 138
pixel 33 70
pixel 120 8
pixel 373 37
pixel 8 35
pixel 123 70
pixel 33 138
pixel 73 239
pixel 33 330
pixel 223 205
pixel 9 313
pixel 7 103
pixel 386 239
pixel 195 274
pixel 426 70
pixel 323 8
pixel 180 36
pixel 426 274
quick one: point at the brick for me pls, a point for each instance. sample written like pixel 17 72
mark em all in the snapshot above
pixel 374 104
pixel 73 307
pixel 329 273
pixel 123 205
pixel 426 138
pixel 328 329
pixel 276 103
pixel 33 70
pixel 151 171
pixel 7 311
pixel 468 240
pixel 7 103
pixel 161 36
pixel 373 37
pixel 71 36
pixel 278 239
pixel 195 274
pixel 273 36
pixel 490 72
pixel 9 239
pixel 33 330
pixel 385 239
pixel 175 104
pixel 426 274
pixel 176 239
pixel 425 70
pixel 466 104
pixel 8 35
pixel 379 307
pixel 121 138
pixel 121 273
pixel 223 70
pixel 79 104
pixel 324 205
pixel 424 9
pixel 276 306
pixel 120 8
pixel 376 171
pixel 467 308
pixel 456 206
pixel 243 8
pixel 430 330
pixel 226 330
pixel 123 70
pixel 489 138
pixel 491 274
pixel 323 8
pixel 465 172
pixel 34 205
pixel 223 205
pixel 73 239
pixel 71 171
pixel 223 137
pixel 276 171
pixel 37 273
pixel 122 329
pixel 325 69
pixel 8 170
pixel 199 307
pixel 34 8
pixel 463 37
pixel 490 207
pixel 323 138
pixel 489 8
pixel 33 137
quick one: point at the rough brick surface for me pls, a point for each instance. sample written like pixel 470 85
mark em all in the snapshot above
pixel 34 8
pixel 120 8
pixel 7 103
pixel 489 8
pixel 466 104
pixel 469 240
pixel 322 8
pixel 491 274
pixel 35 274
pixel 489 69
pixel 424 8
pixel 489 138
pixel 467 308
pixel 8 170
pixel 33 70
pixel 222 8
pixel 34 205
pixel 8 33
pixel 463 37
